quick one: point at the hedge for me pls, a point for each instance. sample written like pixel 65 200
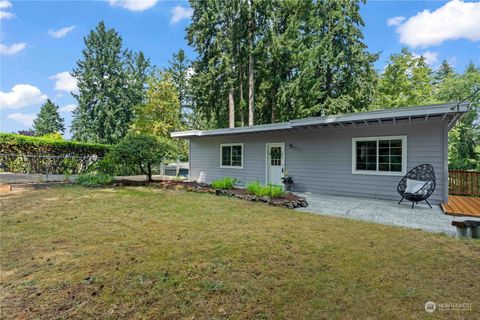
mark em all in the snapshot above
pixel 24 154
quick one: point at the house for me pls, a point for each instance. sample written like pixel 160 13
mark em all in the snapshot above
pixel 360 154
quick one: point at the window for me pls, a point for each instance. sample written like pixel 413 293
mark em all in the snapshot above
pixel 379 155
pixel 276 156
pixel 231 155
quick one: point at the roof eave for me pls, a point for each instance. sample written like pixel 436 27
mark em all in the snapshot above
pixel 380 115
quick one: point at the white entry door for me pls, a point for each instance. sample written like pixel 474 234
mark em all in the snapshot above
pixel 275 162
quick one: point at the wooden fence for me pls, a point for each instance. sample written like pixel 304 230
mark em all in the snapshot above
pixel 464 182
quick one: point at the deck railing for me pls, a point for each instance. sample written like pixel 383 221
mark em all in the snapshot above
pixel 464 182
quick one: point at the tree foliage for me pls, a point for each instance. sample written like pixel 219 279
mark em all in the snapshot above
pixel 144 151
pixel 408 81
pixel 111 82
pixel 308 58
pixel 160 113
pixel 464 138
pixel 48 120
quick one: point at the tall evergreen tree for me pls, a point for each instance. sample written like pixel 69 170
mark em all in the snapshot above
pixel 279 59
pixel 214 33
pixel 443 72
pixel 336 70
pixel 48 120
pixel 180 72
pixel 111 82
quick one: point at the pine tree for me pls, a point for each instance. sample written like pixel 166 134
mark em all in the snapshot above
pixel 214 33
pixel 443 72
pixel 111 82
pixel 180 73
pixel 48 120
pixel 337 74
pixel 278 59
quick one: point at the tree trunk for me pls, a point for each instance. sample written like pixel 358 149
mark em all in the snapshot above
pixel 273 94
pixel 251 81
pixel 231 108
pixel 242 102
pixel 149 172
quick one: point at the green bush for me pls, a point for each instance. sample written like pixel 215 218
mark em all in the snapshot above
pixel 143 151
pixel 225 183
pixel 272 191
pixel 51 154
pixel 94 180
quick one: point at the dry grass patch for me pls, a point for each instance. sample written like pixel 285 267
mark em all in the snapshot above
pixel 145 253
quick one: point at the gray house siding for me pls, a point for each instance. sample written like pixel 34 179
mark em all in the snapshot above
pixel 321 161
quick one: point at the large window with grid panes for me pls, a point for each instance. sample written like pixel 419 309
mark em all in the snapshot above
pixel 379 155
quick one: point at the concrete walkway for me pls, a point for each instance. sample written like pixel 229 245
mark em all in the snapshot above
pixel 383 211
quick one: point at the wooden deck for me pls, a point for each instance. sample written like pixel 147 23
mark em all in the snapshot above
pixel 462 206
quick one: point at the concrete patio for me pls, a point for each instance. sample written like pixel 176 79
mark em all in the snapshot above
pixel 384 212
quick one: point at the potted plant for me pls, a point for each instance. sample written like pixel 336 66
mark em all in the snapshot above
pixel 287 181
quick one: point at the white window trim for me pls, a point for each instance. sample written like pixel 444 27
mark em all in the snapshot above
pixel 376 172
pixel 231 145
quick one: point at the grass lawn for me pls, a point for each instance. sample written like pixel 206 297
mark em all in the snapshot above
pixel 144 253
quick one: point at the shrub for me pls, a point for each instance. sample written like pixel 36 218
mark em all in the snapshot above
pixel 53 136
pixel 94 179
pixel 225 183
pixel 272 191
pixel 51 155
pixel 143 151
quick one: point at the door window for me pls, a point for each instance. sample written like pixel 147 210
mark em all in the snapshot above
pixel 276 156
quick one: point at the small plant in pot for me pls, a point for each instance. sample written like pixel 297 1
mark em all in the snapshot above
pixel 287 181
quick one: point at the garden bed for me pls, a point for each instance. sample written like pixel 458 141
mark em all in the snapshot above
pixel 287 200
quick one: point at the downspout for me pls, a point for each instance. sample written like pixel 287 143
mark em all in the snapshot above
pixel 189 158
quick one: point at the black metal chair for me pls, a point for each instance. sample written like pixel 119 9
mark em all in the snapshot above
pixel 423 173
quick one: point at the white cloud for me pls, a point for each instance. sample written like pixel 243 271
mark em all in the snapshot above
pixel 4 4
pixel 20 96
pixel 395 21
pixel 60 33
pixel 12 49
pixel 5 15
pixel 179 13
pixel 23 118
pixel 431 57
pixel 65 82
pixel 133 5
pixel 455 20
pixel 68 108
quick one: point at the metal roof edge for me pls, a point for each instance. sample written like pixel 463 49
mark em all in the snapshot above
pixel 359 116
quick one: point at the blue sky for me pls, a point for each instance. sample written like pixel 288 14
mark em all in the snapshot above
pixel 40 41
